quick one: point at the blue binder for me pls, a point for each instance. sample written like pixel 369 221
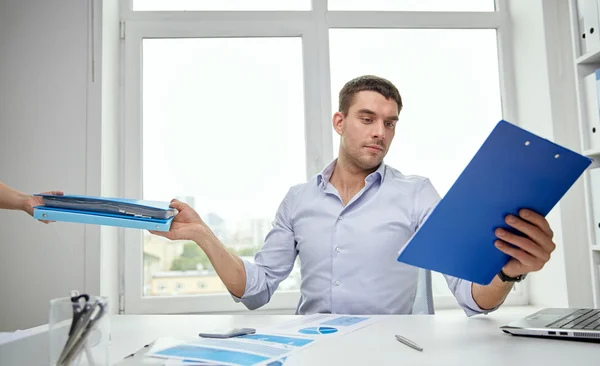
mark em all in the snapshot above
pixel 96 218
pixel 513 169
pixel 124 206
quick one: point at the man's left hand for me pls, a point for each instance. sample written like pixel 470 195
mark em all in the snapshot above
pixel 530 252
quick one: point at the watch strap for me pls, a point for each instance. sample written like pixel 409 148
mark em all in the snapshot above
pixel 506 278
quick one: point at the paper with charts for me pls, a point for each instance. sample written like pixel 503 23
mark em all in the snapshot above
pixel 268 346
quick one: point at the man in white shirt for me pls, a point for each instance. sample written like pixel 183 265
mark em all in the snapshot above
pixel 348 223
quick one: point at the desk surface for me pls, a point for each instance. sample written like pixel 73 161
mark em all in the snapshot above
pixel 448 338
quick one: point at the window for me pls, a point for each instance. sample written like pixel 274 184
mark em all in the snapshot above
pixel 449 82
pixel 226 110
pixel 412 5
pixel 223 131
pixel 187 5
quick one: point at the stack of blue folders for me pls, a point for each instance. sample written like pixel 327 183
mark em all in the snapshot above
pixel 122 212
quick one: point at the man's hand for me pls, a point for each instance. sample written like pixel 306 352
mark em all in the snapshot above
pixel 186 225
pixel 531 252
pixel 30 202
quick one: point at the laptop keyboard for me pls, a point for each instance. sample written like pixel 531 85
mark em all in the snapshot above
pixel 581 319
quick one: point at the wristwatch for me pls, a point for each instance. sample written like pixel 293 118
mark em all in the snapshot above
pixel 506 278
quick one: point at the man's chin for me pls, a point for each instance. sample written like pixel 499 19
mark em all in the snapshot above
pixel 371 162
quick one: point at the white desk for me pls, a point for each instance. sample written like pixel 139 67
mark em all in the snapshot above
pixel 448 338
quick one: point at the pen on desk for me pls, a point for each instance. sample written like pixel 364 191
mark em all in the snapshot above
pixel 408 342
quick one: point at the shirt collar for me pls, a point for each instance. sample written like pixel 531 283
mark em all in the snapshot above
pixel 325 174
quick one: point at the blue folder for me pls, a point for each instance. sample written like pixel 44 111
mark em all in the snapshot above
pixel 124 206
pixel 96 218
pixel 513 169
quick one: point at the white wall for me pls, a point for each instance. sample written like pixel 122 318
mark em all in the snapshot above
pixel 43 67
pixel 546 106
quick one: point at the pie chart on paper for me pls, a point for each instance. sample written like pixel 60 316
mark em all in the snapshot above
pixel 318 330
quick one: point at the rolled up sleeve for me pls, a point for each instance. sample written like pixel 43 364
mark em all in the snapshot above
pixel 462 290
pixel 273 262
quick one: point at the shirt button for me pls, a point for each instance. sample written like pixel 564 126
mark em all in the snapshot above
pixel 340 217
pixel 337 283
pixel 338 250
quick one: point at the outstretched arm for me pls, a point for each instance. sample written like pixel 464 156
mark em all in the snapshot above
pixel 188 225
pixel 253 284
pixel 11 199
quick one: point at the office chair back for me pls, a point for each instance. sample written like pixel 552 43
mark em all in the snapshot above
pixel 424 298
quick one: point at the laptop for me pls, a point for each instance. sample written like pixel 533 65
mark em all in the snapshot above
pixel 562 323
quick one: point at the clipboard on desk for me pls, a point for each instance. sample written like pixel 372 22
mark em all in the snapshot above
pixel 513 169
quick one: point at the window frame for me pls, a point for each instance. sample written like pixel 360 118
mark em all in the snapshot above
pixel 313 27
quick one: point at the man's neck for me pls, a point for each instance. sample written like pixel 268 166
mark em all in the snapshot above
pixel 347 176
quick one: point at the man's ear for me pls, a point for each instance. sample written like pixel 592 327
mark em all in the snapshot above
pixel 338 119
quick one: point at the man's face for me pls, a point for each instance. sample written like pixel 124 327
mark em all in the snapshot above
pixel 368 129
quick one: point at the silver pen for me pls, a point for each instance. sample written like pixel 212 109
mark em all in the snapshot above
pixel 408 342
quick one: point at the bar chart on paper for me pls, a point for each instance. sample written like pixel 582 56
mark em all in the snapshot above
pixel 321 325
pixel 318 330
pixel 345 321
pixel 266 346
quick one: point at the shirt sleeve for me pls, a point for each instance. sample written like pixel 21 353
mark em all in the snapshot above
pixel 273 262
pixel 427 199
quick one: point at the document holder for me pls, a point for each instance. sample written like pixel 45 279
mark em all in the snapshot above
pixel 95 218
pixel 119 206
pixel 513 169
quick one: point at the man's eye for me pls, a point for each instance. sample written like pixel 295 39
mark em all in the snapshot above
pixel 367 120
pixel 390 124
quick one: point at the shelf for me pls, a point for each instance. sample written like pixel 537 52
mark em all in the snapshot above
pixel 595 248
pixel 589 58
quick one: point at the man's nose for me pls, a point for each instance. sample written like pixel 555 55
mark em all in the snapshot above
pixel 378 131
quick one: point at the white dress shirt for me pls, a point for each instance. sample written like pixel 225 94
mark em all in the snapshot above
pixel 348 254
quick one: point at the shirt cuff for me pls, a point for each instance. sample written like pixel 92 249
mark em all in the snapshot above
pixel 470 306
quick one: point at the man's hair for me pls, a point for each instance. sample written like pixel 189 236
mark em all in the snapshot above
pixel 367 82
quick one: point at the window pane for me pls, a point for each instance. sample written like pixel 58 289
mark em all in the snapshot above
pixel 449 83
pixel 223 130
pixel 179 5
pixel 413 5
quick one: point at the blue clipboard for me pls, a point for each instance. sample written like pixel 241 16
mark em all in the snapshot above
pixel 513 169
pixel 106 219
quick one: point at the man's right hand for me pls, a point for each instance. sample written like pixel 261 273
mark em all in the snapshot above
pixel 187 224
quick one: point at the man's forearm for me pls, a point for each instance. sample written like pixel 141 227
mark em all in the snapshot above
pixel 229 267
pixel 11 199
pixel 492 295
